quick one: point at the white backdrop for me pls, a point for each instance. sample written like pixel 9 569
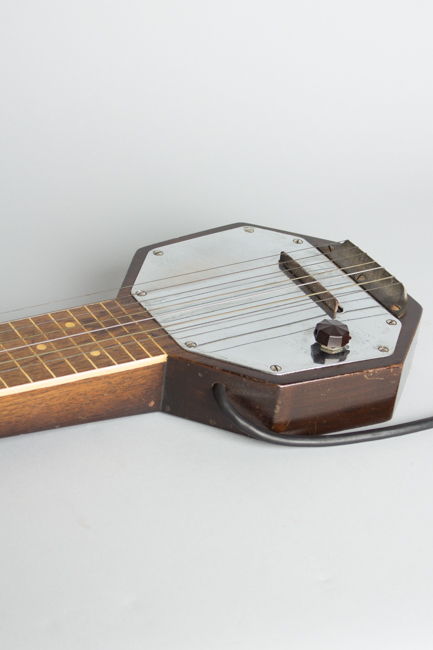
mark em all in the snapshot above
pixel 124 124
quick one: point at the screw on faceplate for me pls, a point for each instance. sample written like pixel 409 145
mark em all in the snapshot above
pixel 390 321
pixel 383 348
pixel 276 368
pixel 248 229
pixel 141 293
pixel 158 253
pixel 298 241
pixel 191 344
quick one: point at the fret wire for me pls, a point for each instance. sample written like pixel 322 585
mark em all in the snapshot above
pixel 1 379
pixel 19 368
pixel 64 357
pixel 174 276
pixel 108 355
pixel 2 346
pixel 128 334
pixel 80 347
pixel 37 326
pixel 124 328
pixel 134 336
pixel 60 311
pixel 72 356
pixel 121 344
pixel 168 335
pixel 108 339
pixel 149 337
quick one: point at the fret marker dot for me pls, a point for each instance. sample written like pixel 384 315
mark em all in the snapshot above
pixel 70 324
pixel 41 346
pixel 95 353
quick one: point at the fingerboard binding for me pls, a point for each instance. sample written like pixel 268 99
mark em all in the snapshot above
pixel 63 346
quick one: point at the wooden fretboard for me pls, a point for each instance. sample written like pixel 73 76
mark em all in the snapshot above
pixel 75 341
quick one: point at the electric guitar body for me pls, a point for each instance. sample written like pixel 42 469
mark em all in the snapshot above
pixel 306 337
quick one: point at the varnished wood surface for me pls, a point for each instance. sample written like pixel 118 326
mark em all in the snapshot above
pixel 100 397
pixel 317 406
pixel 85 372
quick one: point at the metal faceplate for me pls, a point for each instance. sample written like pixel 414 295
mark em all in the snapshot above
pixel 223 295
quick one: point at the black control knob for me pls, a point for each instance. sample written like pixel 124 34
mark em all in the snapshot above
pixel 331 335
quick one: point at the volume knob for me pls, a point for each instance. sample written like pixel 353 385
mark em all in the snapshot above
pixel 331 335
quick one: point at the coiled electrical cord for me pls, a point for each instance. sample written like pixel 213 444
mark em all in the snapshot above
pixel 291 440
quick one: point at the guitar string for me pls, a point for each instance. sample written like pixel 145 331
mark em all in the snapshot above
pixel 208 305
pixel 186 325
pixel 93 343
pixel 271 265
pixel 302 284
pixel 86 295
pixel 134 334
pixel 265 329
pixel 323 259
pixel 304 298
pixel 215 287
pixel 171 277
pixel 109 317
pixel 277 272
pixel 281 307
pixel 271 338
pixel 110 347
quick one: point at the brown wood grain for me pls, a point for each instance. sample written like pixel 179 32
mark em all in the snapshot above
pixel 100 397
pixel 67 383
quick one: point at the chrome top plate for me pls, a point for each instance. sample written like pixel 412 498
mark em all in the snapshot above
pixel 223 295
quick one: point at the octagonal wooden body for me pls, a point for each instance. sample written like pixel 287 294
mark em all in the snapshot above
pixel 322 400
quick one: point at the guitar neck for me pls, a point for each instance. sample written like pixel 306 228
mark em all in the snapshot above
pixel 87 354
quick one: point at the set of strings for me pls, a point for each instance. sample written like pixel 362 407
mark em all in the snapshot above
pixel 188 302
pixel 228 316
pixel 273 273
pixel 141 320
pixel 284 281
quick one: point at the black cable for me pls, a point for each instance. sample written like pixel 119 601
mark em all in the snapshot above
pixel 292 440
